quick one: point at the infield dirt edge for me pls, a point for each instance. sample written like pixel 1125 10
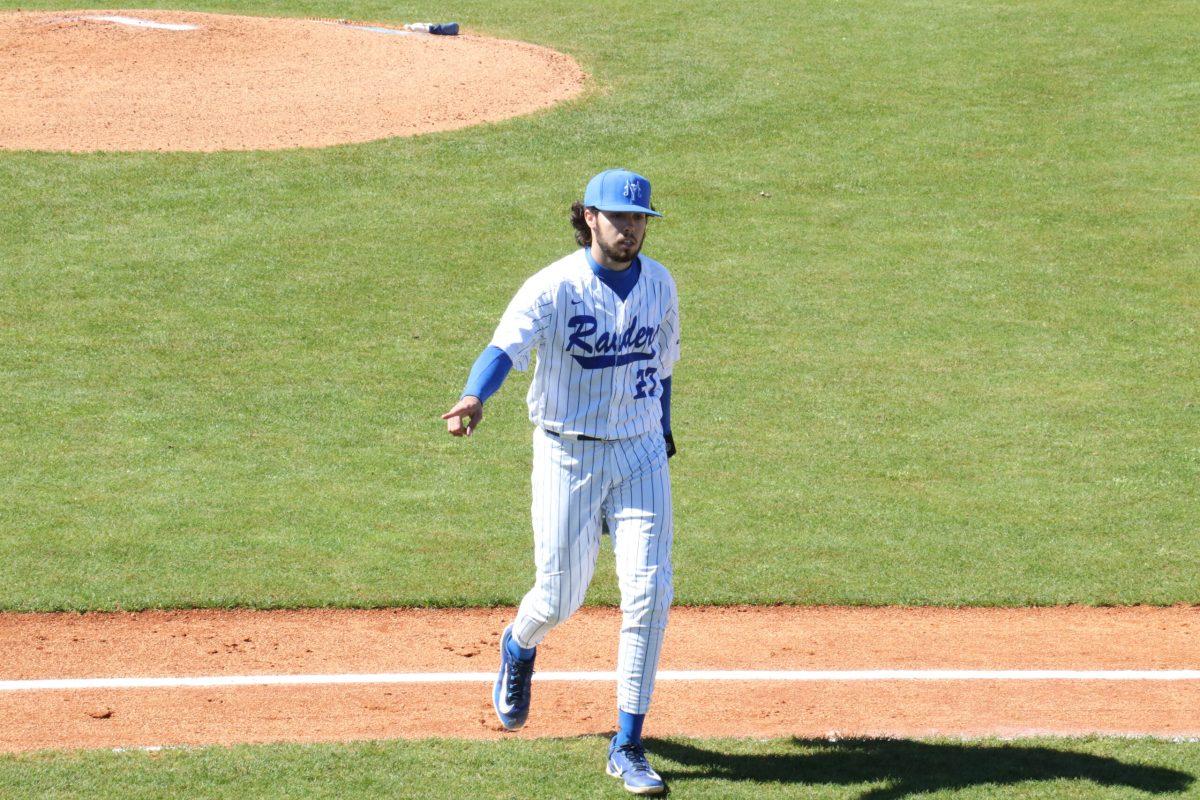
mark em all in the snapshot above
pixel 208 642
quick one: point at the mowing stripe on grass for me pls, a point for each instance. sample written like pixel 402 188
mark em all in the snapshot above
pixel 665 675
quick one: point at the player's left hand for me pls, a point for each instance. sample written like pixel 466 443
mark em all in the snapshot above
pixel 469 408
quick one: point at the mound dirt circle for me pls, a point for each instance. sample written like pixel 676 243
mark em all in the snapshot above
pixel 122 80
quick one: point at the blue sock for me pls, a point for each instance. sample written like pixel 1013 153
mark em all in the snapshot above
pixel 629 728
pixel 519 653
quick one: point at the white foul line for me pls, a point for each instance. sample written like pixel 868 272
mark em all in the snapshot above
pixel 59 684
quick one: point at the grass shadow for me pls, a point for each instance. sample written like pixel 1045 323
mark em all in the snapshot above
pixel 909 768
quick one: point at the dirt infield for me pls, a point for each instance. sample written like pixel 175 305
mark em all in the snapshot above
pixel 208 643
pixel 119 80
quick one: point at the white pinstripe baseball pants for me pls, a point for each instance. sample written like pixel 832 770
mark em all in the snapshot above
pixel 574 482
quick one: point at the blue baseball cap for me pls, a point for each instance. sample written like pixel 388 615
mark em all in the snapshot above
pixel 619 190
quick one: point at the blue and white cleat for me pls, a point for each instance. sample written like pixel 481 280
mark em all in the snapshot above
pixel 629 763
pixel 510 695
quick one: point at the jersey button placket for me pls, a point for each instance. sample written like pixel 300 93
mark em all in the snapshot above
pixel 618 373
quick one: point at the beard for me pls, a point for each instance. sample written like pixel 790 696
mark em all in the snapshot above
pixel 618 253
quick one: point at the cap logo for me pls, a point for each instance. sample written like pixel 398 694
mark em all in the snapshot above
pixel 632 190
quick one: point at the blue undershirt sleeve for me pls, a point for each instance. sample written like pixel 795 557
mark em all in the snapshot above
pixel 488 373
pixel 665 399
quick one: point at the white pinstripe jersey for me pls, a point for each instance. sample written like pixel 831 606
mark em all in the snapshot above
pixel 600 359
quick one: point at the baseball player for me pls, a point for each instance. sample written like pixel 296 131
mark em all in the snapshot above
pixel 604 321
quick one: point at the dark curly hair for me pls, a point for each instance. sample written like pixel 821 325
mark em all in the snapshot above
pixel 583 234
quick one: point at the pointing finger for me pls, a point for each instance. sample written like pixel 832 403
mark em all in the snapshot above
pixel 457 411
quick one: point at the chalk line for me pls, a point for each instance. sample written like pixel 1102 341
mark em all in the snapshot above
pixel 804 676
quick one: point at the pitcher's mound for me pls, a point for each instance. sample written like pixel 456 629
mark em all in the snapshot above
pixel 174 80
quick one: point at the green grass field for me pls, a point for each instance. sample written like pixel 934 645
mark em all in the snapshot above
pixel 1091 769
pixel 938 274
pixel 938 268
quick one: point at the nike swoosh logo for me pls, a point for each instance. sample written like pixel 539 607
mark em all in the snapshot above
pixel 576 302
pixel 502 703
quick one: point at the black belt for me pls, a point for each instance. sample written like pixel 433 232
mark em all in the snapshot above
pixel 580 437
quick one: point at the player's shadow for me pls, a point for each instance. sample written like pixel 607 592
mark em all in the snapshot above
pixel 906 768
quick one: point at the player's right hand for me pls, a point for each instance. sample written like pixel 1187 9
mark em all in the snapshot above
pixel 470 409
